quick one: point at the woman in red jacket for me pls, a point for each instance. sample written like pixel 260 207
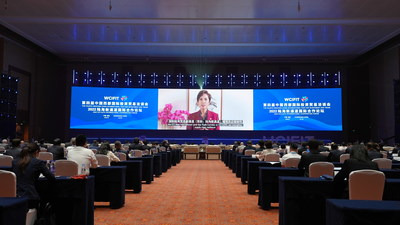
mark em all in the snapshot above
pixel 201 117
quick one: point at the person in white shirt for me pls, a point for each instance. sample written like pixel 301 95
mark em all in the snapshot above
pixel 292 154
pixel 83 156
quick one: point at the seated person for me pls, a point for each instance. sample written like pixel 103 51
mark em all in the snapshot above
pixel 373 152
pixel 82 155
pixel 358 160
pixel 268 150
pixel 105 149
pixel 292 153
pixel 56 149
pixel 249 146
pixel 136 145
pixel 310 157
pixel 334 154
pixel 261 146
pixel 118 147
pixel 281 150
pixel 15 149
pixel 27 168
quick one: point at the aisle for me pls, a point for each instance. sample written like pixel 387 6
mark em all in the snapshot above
pixel 193 192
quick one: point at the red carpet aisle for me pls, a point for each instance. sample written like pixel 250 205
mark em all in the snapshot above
pixel 193 192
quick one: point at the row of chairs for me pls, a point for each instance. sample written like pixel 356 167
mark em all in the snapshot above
pixel 65 167
pixel 210 150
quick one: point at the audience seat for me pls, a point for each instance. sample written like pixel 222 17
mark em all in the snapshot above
pixel 121 156
pixel 66 168
pixel 291 162
pixel 249 152
pixel 45 156
pixel 344 157
pixel 190 150
pixel 317 169
pixel 136 153
pixel 366 185
pixel 324 153
pixel 8 184
pixel 213 150
pixel 273 157
pixel 103 160
pixel 6 160
pixel 383 163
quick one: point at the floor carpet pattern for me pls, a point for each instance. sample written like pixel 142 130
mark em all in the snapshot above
pixel 193 192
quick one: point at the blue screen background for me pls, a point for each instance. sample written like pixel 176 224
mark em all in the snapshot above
pixel 82 119
pixel 331 120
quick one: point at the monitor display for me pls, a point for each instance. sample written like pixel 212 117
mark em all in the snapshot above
pixel 317 109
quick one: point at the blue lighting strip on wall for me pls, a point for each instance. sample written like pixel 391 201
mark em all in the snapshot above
pixel 231 80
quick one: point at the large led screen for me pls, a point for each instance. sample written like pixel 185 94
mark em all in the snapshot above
pixel 318 109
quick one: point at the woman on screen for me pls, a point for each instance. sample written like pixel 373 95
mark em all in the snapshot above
pixel 200 117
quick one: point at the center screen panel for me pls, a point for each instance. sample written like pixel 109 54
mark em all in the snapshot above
pixel 207 109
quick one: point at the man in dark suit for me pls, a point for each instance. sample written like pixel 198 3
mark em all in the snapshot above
pixel 56 149
pixel 249 146
pixel 310 157
pixel 358 160
pixel 136 145
pixel 15 149
pixel 372 151
pixel 334 154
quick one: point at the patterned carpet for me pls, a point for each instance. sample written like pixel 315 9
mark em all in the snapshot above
pixel 193 192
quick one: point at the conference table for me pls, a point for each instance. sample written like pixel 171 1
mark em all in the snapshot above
pixel 269 184
pixel 133 178
pixel 157 165
pixel 164 161
pixel 71 199
pixel 238 166
pixel 147 167
pixel 110 185
pixel 13 211
pixel 356 212
pixel 244 167
pixel 253 181
pixel 302 199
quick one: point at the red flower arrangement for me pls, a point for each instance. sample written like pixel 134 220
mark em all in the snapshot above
pixel 166 114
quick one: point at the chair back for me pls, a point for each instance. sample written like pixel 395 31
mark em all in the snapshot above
pixel 146 152
pixel 317 169
pixel 103 160
pixel 344 157
pixel 213 149
pixel 291 162
pixel 45 156
pixel 65 168
pixel 191 149
pixel 162 149
pixel 272 157
pixel 43 149
pixel 383 163
pixel 154 150
pixel 8 185
pixel 249 152
pixel 136 153
pixel 366 185
pixel 6 160
pixel 121 156
pixel 324 153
